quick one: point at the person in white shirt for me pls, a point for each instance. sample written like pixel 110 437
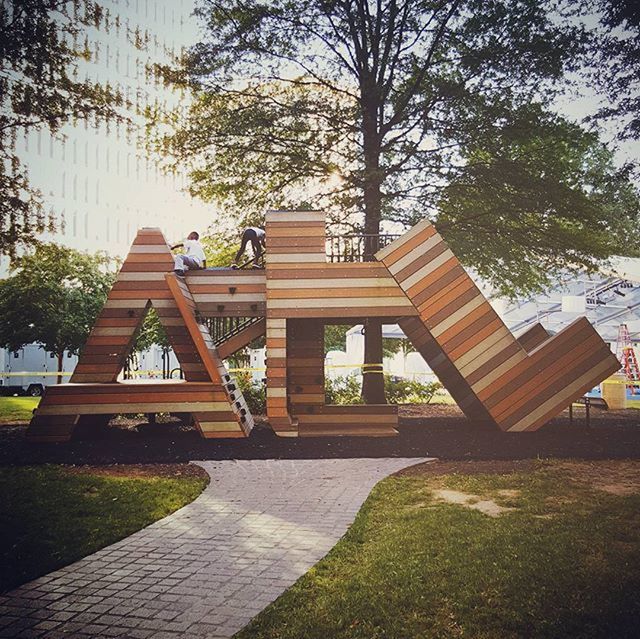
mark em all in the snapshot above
pixel 193 258
pixel 258 240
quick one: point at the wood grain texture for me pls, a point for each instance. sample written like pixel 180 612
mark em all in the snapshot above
pixel 518 384
pixel 141 284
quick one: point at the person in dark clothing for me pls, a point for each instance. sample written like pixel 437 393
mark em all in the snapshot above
pixel 257 238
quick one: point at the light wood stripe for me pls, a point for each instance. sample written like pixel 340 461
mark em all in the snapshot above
pixel 426 270
pixel 148 248
pixel 452 319
pixel 295 216
pixel 295 258
pixel 370 302
pixel 415 254
pixel 387 251
pixel 137 407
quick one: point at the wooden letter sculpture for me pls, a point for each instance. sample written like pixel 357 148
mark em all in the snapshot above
pixel 516 384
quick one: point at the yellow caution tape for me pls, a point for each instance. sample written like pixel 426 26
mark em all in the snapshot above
pixel 34 374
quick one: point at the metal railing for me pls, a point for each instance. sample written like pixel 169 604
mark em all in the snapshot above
pixel 356 248
pixel 222 328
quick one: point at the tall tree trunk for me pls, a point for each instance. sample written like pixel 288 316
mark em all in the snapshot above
pixel 373 378
pixel 60 366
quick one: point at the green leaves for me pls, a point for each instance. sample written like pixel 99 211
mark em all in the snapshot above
pixel 53 298
pixel 39 50
pixel 537 201
pixel 399 111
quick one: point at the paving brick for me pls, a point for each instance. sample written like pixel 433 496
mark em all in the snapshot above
pixel 209 568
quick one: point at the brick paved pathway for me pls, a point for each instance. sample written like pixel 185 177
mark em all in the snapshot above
pixel 206 570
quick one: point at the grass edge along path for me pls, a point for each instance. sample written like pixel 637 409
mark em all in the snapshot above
pixel 564 562
pixel 51 516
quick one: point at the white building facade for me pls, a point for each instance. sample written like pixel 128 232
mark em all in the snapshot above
pixel 97 179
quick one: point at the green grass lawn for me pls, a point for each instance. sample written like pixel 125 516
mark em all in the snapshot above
pixel 564 562
pixel 17 409
pixel 50 516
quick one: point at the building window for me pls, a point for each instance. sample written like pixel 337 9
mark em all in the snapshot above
pixel 63 190
pixel 51 146
pixel 75 187
pixel 75 151
pixel 86 189
pixel 86 226
pixel 39 141
pixel 86 154
pixel 97 191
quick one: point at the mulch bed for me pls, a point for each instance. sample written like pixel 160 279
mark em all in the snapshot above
pixel 426 431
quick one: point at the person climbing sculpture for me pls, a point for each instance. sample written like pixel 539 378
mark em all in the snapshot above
pixel 193 258
pixel 258 239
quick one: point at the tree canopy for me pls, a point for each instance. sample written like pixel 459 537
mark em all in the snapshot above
pixel 617 70
pixel 400 110
pixel 41 43
pixel 52 298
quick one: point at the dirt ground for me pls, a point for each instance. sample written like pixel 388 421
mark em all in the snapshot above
pixel 434 431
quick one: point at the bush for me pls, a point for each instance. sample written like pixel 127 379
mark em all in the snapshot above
pixel 343 390
pixel 255 393
pixel 409 391
pixel 347 390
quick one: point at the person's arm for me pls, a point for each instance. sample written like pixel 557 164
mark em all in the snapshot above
pixel 175 246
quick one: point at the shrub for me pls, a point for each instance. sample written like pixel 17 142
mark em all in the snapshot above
pixel 343 390
pixel 255 393
pixel 409 391
pixel 347 390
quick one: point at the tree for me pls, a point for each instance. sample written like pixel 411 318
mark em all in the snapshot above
pixel 52 298
pixel 390 110
pixel 41 42
pixel 617 72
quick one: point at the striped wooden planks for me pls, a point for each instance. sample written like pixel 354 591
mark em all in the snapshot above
pixel 533 337
pixel 517 384
pixel 62 405
pixel 209 394
pixel 140 284
pixel 301 284
pixel 358 420
pixel 222 292
pixel 277 401
pixel 305 364
pixel 207 420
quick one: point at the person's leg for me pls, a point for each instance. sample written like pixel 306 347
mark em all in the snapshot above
pixel 246 238
pixel 257 250
pixel 178 263
pixel 190 263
